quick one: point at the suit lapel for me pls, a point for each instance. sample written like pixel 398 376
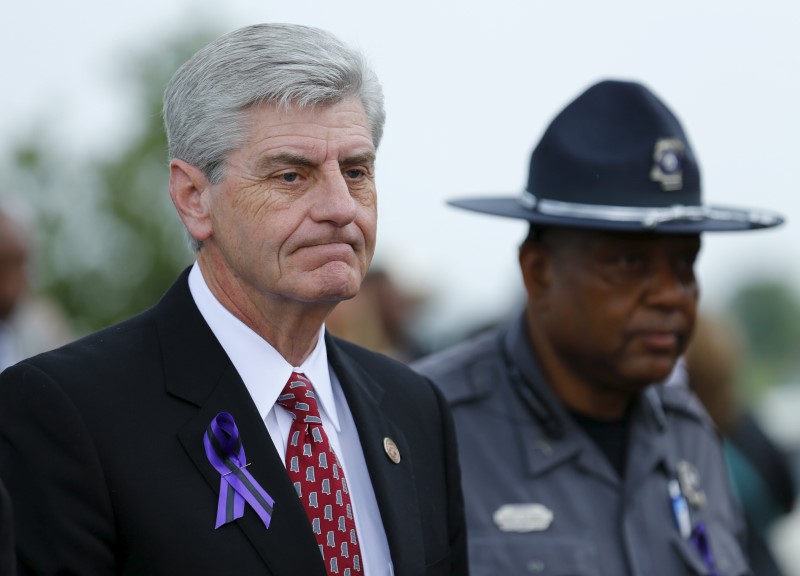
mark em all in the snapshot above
pixel 394 484
pixel 198 371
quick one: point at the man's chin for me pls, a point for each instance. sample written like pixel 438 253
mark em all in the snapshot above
pixel 336 297
pixel 652 373
pixel 334 289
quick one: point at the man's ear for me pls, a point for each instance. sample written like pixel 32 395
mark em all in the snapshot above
pixel 190 191
pixel 535 265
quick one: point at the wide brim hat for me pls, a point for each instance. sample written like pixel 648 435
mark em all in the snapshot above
pixel 616 158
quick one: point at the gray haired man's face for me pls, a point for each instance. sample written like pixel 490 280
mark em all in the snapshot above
pixel 295 215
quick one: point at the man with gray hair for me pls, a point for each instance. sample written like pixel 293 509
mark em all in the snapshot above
pixel 223 431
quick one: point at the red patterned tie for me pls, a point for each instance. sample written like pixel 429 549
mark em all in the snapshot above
pixel 319 480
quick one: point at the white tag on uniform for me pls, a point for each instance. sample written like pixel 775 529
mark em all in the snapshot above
pixel 523 517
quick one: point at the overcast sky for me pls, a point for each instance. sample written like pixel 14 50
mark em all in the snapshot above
pixel 469 88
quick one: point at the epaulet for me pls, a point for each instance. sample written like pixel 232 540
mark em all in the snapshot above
pixel 465 372
pixel 679 400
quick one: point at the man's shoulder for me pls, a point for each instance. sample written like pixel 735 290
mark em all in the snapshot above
pixel 91 369
pixel 373 362
pixel 401 385
pixel 450 361
pixel 465 371
pixel 123 342
pixel 683 407
pixel 98 345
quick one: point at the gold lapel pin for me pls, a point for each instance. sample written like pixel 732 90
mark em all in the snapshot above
pixel 391 450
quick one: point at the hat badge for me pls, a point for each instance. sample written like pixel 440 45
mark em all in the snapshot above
pixel 668 163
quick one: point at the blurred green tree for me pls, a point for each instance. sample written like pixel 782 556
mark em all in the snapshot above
pixel 769 314
pixel 108 241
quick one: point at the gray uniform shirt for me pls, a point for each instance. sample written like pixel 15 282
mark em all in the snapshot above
pixel 541 497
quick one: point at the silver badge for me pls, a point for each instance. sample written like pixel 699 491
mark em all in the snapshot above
pixel 523 517
pixel 668 164
pixel 690 484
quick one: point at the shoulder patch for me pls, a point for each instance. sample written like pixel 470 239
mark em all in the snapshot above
pixel 465 372
pixel 680 400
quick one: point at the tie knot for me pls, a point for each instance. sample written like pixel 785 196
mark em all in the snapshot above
pixel 299 399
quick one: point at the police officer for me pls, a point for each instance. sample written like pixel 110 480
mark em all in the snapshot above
pixel 573 460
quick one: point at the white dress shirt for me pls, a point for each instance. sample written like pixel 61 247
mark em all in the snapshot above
pixel 265 373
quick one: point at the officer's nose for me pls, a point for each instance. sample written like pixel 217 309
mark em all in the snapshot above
pixel 670 283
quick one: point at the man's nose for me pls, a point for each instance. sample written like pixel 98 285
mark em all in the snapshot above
pixel 669 284
pixel 334 203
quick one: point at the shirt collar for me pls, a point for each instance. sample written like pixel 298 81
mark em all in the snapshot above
pixel 262 369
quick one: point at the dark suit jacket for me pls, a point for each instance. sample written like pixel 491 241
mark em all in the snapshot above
pixel 101 449
pixel 6 535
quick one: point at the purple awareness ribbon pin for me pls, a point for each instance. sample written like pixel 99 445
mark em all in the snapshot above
pixel 700 541
pixel 225 451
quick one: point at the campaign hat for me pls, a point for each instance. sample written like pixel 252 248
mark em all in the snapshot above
pixel 616 158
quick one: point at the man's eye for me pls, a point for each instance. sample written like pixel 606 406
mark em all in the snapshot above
pixel 629 259
pixel 290 177
pixel 354 173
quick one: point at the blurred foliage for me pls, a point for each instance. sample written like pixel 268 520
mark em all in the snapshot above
pixel 108 240
pixel 769 315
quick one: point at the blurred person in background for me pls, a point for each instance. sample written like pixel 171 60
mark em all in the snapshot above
pixel 378 317
pixel 761 474
pixel 223 431
pixel 29 323
pixel 574 461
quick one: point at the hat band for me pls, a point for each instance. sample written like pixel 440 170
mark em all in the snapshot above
pixel 647 217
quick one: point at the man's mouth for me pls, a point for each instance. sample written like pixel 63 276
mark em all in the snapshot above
pixel 659 340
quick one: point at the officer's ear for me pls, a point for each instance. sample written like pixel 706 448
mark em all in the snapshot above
pixel 535 262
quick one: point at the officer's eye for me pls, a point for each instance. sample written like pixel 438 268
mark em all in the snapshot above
pixel 629 260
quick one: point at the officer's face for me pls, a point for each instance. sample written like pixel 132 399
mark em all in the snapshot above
pixel 611 310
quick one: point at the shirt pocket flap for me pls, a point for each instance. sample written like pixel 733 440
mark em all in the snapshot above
pixel 725 550
pixel 691 557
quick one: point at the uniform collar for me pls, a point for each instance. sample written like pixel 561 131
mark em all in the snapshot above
pixel 545 450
